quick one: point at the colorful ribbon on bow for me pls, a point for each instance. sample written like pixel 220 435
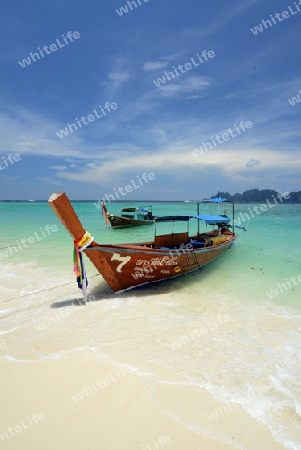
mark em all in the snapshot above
pixel 79 269
pixel 105 213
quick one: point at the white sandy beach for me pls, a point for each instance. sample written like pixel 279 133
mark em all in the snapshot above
pixel 120 416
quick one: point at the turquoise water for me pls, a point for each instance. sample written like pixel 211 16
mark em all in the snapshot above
pixel 267 254
pixel 251 361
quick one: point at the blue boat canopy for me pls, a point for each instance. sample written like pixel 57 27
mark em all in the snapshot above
pixel 210 220
pixel 142 209
pixel 215 200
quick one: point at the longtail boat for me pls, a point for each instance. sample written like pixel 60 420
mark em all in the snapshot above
pixel 125 266
pixel 130 217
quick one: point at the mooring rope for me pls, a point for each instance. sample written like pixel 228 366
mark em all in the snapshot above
pixel 44 290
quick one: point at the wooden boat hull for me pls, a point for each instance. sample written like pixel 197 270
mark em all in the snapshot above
pixel 125 266
pixel 123 222
pixel 134 265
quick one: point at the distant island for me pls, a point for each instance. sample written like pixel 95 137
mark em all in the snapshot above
pixel 251 196
pixel 260 196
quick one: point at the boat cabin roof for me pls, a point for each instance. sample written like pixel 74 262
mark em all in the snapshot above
pixel 134 209
pixel 216 200
pixel 129 209
pixel 210 220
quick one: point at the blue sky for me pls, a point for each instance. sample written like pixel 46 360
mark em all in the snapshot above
pixel 154 129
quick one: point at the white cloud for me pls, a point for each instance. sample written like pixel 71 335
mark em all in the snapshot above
pixel 118 74
pixel 119 77
pixel 27 132
pixel 58 167
pixel 177 159
pixel 253 162
pixel 189 87
pixel 51 181
pixel 154 65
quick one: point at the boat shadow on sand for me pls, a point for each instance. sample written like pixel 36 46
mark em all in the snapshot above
pixel 103 292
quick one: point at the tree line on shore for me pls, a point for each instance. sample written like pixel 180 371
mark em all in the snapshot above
pixel 260 196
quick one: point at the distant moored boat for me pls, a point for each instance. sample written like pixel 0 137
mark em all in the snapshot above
pixel 130 217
